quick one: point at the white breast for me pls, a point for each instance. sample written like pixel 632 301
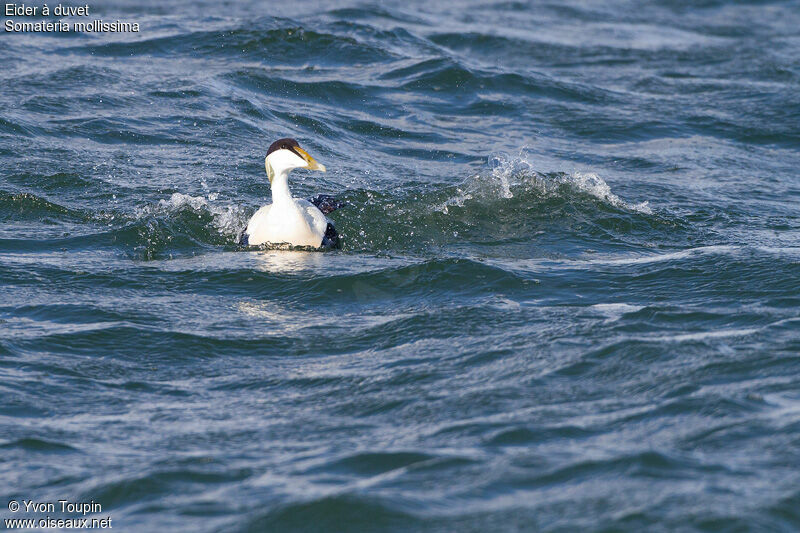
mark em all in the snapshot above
pixel 296 222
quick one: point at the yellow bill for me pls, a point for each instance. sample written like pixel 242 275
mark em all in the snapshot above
pixel 312 164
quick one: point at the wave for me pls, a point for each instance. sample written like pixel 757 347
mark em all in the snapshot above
pixel 734 251
pixel 282 41
pixel 27 206
pixel 226 219
pixel 181 223
pixel 510 202
pixel 507 203
pixel 37 445
pixel 516 175
pixel 330 513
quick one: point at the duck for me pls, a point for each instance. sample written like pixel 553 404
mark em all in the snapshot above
pixel 291 221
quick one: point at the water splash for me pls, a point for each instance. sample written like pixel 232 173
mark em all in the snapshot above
pixel 594 185
pixel 512 176
pixel 227 219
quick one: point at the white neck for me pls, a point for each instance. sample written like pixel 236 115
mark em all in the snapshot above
pixel 282 162
pixel 280 187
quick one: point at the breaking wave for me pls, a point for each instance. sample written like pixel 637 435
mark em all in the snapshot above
pixel 510 201
pixel 512 176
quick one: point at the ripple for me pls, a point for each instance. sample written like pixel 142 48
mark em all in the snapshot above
pixel 27 206
pixel 268 38
pixel 37 445
pixel 331 512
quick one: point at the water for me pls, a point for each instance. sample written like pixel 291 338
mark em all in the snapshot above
pixel 567 297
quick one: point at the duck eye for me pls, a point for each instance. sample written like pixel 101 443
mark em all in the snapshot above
pixel 284 147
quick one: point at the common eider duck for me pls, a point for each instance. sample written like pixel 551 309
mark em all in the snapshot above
pixel 288 220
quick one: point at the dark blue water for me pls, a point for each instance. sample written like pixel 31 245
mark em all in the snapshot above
pixel 568 297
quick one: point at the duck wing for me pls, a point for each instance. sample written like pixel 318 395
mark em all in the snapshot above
pixel 326 203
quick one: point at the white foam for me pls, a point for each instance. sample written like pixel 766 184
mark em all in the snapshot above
pixel 510 174
pixel 671 256
pixel 703 335
pixel 227 219
pixel 615 311
pixel 721 249
pixel 178 200
pixel 594 185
